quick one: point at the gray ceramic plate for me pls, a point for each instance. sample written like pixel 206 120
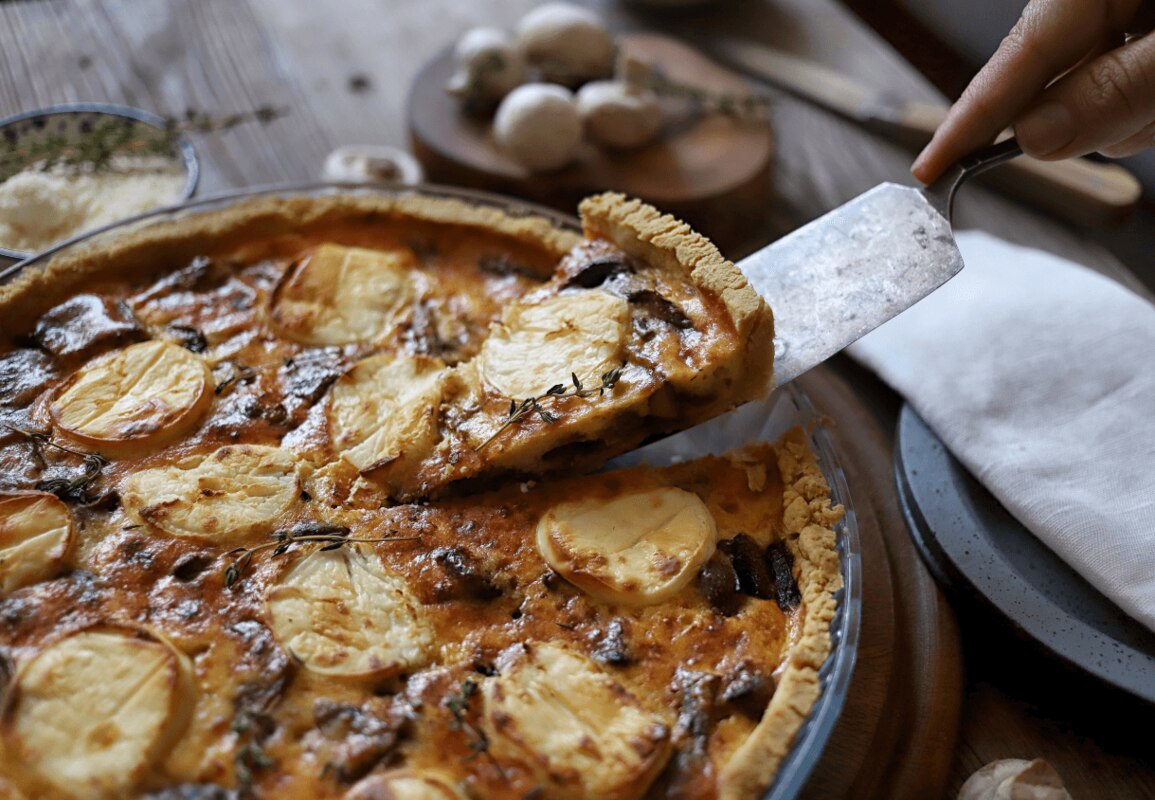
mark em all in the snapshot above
pixel 974 546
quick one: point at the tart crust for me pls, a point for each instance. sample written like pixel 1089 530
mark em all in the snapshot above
pixel 662 239
pixel 465 568
pixel 158 247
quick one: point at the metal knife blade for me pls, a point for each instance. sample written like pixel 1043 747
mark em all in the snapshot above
pixel 879 110
pixel 847 272
pixel 1078 189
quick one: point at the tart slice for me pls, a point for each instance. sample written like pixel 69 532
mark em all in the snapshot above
pixel 643 330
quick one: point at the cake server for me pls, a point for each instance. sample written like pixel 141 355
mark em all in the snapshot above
pixel 847 272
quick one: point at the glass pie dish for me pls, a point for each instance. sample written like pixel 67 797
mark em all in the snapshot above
pixel 152 166
pixel 764 420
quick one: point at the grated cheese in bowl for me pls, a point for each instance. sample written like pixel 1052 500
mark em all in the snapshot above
pixel 38 208
pixel 51 188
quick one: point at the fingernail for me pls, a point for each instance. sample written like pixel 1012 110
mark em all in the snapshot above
pixel 1045 128
pixel 919 163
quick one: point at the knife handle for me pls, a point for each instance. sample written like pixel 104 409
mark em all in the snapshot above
pixel 1077 189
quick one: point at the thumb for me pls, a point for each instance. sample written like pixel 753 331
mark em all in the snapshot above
pixel 1098 104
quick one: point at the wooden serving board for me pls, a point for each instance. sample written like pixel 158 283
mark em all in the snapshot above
pixel 709 169
pixel 896 735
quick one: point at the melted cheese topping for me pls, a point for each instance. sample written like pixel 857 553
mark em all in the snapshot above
pixel 337 295
pixel 147 393
pixel 231 493
pixel 93 712
pixel 342 613
pixel 36 536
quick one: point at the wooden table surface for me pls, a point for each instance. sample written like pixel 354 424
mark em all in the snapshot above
pixel 343 70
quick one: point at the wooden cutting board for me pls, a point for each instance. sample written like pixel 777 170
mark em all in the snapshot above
pixel 896 735
pixel 711 170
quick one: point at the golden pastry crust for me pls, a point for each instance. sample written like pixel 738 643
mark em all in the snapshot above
pixel 160 246
pixel 809 519
pixel 657 238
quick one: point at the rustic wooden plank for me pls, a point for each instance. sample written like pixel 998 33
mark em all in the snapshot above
pixel 163 56
pixel 387 46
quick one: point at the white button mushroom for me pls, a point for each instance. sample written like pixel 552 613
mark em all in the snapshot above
pixel 489 65
pixel 618 115
pixel 538 126
pixel 567 43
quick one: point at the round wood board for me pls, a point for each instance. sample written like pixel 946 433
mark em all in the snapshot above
pixel 711 170
pixel 896 735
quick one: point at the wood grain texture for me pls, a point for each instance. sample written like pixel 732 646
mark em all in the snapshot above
pixel 897 737
pixel 166 57
pixel 710 170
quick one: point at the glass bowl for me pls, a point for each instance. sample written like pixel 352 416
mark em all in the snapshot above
pixel 24 136
pixel 765 420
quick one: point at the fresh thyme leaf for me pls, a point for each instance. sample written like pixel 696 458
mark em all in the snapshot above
pixel 458 703
pixel 96 146
pixel 478 741
pixel 518 411
pixel 72 489
pixel 248 759
pixel 56 486
pixel 330 537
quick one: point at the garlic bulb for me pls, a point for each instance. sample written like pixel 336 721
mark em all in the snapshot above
pixel 489 65
pixel 1010 778
pixel 538 126
pixel 364 163
pixel 568 44
pixel 618 115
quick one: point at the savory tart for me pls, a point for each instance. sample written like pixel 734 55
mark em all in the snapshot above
pixel 295 501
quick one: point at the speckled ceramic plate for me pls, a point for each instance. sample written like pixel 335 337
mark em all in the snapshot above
pixel 73 121
pixel 974 546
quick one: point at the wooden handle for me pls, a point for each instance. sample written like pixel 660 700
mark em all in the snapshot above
pixel 1078 189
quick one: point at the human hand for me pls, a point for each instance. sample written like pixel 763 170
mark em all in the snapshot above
pixel 1072 76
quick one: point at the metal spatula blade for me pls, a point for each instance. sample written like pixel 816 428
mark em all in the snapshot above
pixel 841 276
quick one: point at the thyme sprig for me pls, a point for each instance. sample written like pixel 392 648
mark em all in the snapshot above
pixel 478 741
pixel 63 488
pixel 252 727
pixel 520 410
pixel 745 106
pixel 330 537
pixel 99 143
pixel 240 373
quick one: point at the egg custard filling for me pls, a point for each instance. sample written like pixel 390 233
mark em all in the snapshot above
pixel 297 500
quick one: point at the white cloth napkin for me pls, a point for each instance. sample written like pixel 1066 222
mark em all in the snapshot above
pixel 1039 376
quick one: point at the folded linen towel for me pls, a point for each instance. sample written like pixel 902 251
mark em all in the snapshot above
pixel 1039 376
